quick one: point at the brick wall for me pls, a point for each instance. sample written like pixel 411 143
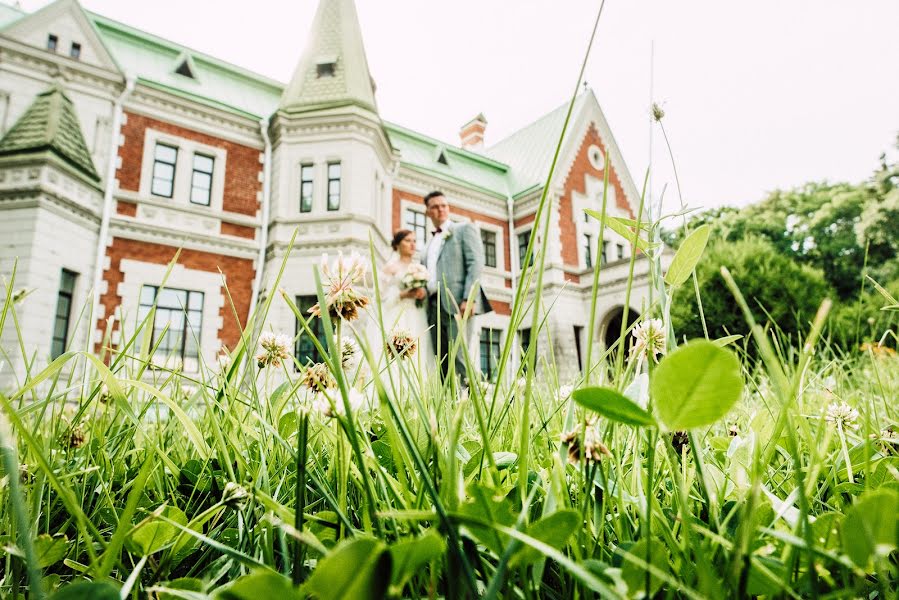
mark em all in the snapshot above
pixel 238 273
pixel 238 230
pixel 242 182
pixel 128 209
pixel 575 182
pixel 501 308
pixel 525 220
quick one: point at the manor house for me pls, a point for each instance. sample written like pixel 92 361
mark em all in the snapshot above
pixel 119 149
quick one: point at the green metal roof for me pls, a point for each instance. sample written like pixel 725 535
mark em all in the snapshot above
pixel 51 124
pixel 153 59
pixel 461 166
pixel 529 151
pixel 8 14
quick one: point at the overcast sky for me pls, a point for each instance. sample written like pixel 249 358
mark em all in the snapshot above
pixel 758 95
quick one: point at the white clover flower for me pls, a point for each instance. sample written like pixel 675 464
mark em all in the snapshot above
pixel 104 396
pixel 330 404
pixel 342 300
pixel 349 349
pixel 349 269
pixel 224 361
pixel 649 339
pixel 565 392
pixel 318 377
pixel 74 437
pixel 888 440
pixel 593 449
pixel 235 495
pixel 358 400
pixel 842 415
pixel 275 348
pixel 401 343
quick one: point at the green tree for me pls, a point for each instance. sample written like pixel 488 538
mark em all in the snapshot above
pixel 857 320
pixel 778 289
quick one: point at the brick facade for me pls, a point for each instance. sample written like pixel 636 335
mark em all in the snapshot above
pixel 575 181
pixel 525 220
pixel 129 209
pixel 398 197
pixel 242 171
pixel 238 272
pixel 238 230
pixel 501 308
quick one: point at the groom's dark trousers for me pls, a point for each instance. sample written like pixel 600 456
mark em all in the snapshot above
pixel 445 331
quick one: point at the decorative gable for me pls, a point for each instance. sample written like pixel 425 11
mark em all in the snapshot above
pixel 63 28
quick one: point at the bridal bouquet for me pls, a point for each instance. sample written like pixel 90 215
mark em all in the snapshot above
pixel 416 277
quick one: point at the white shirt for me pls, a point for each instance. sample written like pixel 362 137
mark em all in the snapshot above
pixel 433 254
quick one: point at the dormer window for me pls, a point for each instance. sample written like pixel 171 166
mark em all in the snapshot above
pixel 52 42
pixel 75 51
pixel 184 70
pixel 326 67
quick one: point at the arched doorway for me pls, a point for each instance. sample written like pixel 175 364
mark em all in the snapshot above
pixel 610 328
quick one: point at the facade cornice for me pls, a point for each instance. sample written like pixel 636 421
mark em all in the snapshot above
pixel 47 199
pixel 186 113
pixel 129 228
pixel 529 206
pixel 224 216
pixel 25 177
pixel 90 79
pixel 411 170
pixel 302 224
pixel 276 249
pixel 415 182
pixel 291 129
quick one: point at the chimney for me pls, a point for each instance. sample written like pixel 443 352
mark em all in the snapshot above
pixel 472 133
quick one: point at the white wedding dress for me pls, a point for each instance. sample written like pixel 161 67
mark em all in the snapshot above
pixel 402 313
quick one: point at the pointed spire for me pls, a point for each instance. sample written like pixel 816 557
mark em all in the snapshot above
pixel 50 123
pixel 333 69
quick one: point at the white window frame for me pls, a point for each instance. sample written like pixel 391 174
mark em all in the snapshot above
pixel 295 186
pixel 341 189
pixel 184 170
pixel 503 332
pixel 515 255
pixel 138 274
pixel 408 207
pixel 501 265
pixel 418 207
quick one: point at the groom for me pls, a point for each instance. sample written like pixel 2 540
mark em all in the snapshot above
pixel 454 258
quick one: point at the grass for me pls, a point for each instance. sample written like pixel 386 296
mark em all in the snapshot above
pixel 152 480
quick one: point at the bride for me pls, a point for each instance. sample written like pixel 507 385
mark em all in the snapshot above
pixel 399 306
